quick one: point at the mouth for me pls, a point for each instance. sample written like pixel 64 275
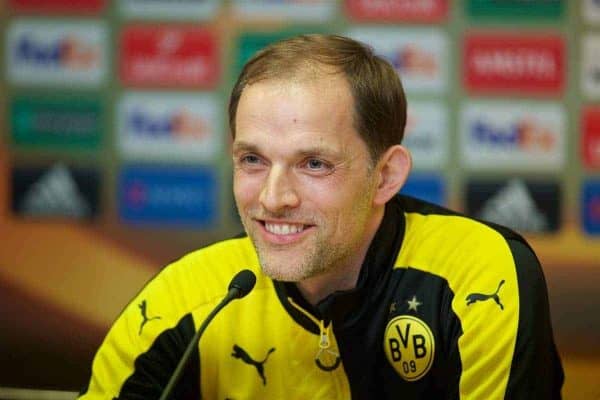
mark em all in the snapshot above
pixel 278 228
pixel 283 231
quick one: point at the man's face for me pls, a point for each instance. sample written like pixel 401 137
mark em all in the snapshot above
pixel 302 179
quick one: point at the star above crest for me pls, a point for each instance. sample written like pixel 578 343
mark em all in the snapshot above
pixel 413 304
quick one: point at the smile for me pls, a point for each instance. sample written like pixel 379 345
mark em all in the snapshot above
pixel 283 229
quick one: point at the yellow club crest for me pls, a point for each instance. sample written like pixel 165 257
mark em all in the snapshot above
pixel 409 346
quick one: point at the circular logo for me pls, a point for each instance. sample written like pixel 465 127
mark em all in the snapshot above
pixel 409 346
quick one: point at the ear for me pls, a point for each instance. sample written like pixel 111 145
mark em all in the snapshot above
pixel 393 169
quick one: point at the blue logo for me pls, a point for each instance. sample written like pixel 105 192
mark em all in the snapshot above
pixel 69 52
pixel 427 187
pixel 176 196
pixel 591 207
pixel 523 134
pixel 179 123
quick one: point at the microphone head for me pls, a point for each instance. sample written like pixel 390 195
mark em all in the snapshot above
pixel 242 283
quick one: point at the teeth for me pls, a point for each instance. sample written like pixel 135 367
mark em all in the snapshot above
pixel 283 229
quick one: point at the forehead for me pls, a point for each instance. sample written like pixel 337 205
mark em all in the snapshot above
pixel 317 104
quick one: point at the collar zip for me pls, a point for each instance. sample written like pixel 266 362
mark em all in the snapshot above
pixel 326 358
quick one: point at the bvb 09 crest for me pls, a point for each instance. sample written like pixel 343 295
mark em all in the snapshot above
pixel 409 346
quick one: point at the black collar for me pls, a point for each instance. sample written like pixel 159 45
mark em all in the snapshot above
pixel 346 307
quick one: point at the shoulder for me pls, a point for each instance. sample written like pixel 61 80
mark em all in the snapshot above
pixel 460 249
pixel 202 277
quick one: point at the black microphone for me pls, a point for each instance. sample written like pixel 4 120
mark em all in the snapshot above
pixel 241 284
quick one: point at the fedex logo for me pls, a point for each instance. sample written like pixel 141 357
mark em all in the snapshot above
pixel 419 55
pixel 68 52
pixel 525 134
pixel 174 56
pixel 513 135
pixel 180 124
pixel 507 62
pixel 169 126
pixel 56 53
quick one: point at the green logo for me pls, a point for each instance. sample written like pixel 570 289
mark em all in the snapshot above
pixel 537 9
pixel 249 43
pixel 56 122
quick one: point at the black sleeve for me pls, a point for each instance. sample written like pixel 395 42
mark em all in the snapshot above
pixel 536 371
pixel 152 368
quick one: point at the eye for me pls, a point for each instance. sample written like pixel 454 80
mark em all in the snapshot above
pixel 317 165
pixel 248 162
pixel 314 163
pixel 250 159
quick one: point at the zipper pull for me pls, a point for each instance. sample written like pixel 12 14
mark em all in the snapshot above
pixel 331 359
pixel 324 342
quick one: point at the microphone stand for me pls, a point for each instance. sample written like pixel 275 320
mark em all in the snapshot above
pixel 232 294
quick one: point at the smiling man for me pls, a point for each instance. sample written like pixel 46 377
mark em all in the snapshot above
pixel 361 293
pixel 305 183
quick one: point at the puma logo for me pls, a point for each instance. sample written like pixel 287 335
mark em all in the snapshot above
pixel 142 306
pixel 473 297
pixel 240 353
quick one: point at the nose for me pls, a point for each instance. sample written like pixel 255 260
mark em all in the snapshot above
pixel 278 192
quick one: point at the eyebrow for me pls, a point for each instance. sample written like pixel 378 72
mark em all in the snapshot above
pixel 240 145
pixel 308 151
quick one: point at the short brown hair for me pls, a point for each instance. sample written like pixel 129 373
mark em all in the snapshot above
pixel 379 100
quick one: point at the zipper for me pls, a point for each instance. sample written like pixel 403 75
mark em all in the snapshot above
pixel 325 354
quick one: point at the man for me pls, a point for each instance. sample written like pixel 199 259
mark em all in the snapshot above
pixel 361 293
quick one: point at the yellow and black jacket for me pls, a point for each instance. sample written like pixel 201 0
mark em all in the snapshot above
pixel 446 307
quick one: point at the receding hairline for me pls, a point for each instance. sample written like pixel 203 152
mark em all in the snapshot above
pixel 303 71
pixel 379 102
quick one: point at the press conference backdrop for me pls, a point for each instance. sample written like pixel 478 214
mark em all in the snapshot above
pixel 114 153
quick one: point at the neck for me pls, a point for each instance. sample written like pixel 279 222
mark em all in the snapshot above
pixel 345 277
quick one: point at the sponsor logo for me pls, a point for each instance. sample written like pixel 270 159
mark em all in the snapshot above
pixel 590 143
pixel 541 9
pixel 169 9
pixel 590 10
pixel 56 122
pixel 175 196
pixel 56 191
pixel 507 62
pixel 56 53
pixel 529 207
pixel 590 65
pixel 174 56
pixel 591 207
pixel 249 43
pixel 513 135
pixel 143 306
pixel 430 188
pixel 418 55
pixel 426 134
pixel 169 126
pixel 398 10
pixel 475 297
pixel 241 354
pixel 57 6
pixel 409 346
pixel 304 10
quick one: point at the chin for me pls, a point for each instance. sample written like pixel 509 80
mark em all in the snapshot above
pixel 284 272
